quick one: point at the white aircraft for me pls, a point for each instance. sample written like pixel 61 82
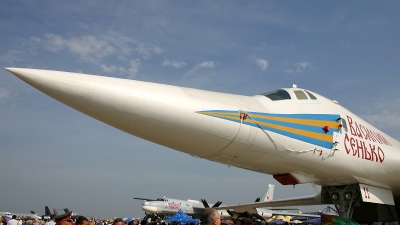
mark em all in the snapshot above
pixel 293 134
pixel 31 215
pixel 169 206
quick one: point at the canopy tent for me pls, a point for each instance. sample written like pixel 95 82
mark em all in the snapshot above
pixel 129 219
pixel 180 217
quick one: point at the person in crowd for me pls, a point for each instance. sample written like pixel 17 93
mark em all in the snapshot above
pixel 51 221
pixel 247 221
pixel 118 221
pixel 13 220
pixel 211 217
pixel 81 220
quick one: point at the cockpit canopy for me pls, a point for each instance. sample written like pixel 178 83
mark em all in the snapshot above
pixel 282 94
pixel 277 95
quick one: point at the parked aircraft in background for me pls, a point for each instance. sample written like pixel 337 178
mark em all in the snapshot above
pixel 293 134
pixel 31 215
pixel 169 206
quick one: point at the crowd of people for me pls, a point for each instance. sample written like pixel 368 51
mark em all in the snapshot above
pixel 81 220
pixel 210 217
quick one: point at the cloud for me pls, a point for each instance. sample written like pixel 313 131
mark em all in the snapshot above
pixel 109 69
pixel 134 65
pixel 133 68
pixel 262 63
pixel 88 48
pixel 384 114
pixel 175 64
pixel 303 65
pixel 206 64
pixel 97 49
pixel 391 120
pixel 12 56
pixel 297 67
pixel 53 42
pixel 4 93
pixel 146 50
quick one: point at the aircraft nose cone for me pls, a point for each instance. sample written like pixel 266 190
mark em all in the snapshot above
pixel 30 75
pixel 12 70
pixel 23 74
pixel 69 88
pixel 149 209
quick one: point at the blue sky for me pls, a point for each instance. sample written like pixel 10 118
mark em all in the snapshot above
pixel 53 155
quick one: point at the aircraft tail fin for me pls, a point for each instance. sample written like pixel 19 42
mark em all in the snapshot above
pixel 269 193
pixel 66 210
pixel 47 211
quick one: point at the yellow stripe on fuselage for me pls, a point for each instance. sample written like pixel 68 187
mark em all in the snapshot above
pixel 305 133
pixel 309 122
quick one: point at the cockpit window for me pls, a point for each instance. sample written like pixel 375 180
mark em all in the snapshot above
pixel 311 96
pixel 277 95
pixel 301 95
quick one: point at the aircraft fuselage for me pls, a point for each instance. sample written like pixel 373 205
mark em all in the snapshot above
pixel 302 137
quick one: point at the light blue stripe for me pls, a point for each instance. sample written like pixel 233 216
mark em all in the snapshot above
pixel 316 129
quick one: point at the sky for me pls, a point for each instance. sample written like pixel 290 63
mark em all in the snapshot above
pixel 52 155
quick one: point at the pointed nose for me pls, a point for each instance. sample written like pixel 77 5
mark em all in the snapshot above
pixel 164 114
pixel 160 113
pixel 68 88
pixel 30 76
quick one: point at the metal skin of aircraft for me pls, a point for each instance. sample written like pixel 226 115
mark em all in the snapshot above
pixel 31 215
pixel 293 134
pixel 169 206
